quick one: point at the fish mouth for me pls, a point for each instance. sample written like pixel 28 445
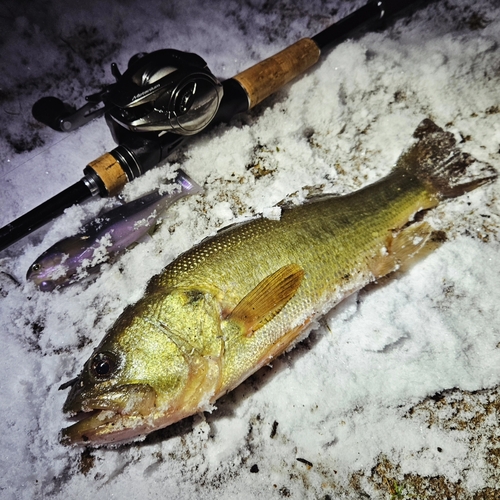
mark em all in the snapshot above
pixel 104 427
pixel 47 283
pixel 117 415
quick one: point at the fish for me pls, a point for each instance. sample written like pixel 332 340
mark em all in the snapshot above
pixel 73 258
pixel 237 300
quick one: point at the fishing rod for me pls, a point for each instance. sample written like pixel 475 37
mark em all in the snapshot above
pixel 165 97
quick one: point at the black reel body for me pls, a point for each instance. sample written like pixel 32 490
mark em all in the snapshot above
pixel 166 90
pixel 163 91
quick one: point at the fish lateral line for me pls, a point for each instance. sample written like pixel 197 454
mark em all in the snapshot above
pixel 282 275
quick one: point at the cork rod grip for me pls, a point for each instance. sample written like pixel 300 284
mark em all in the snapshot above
pixel 266 77
pixel 111 173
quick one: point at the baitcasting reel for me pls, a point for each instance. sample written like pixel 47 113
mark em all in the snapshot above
pixel 163 91
pixel 166 96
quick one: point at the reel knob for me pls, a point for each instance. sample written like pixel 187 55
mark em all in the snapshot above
pixel 53 112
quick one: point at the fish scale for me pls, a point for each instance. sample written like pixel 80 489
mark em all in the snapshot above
pixel 237 300
pixel 324 237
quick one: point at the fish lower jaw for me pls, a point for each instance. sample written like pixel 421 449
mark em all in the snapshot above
pixel 104 427
pixel 107 427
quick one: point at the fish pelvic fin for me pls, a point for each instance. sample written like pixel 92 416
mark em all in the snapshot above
pixel 267 299
pixel 400 248
pixel 437 162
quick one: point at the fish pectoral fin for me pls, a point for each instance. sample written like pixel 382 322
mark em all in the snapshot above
pixel 267 299
pixel 400 248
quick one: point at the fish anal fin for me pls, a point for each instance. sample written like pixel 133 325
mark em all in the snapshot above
pixel 400 248
pixel 267 299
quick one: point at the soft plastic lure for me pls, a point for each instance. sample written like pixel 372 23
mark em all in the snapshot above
pixel 72 258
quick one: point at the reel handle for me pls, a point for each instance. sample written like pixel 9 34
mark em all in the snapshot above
pixel 144 144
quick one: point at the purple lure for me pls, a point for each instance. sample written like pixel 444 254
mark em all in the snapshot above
pixel 71 259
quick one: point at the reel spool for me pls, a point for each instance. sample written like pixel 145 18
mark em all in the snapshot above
pixel 165 91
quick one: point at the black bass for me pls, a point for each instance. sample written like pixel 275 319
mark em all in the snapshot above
pixel 72 258
pixel 230 305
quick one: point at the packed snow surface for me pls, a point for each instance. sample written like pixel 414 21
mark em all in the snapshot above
pixel 395 393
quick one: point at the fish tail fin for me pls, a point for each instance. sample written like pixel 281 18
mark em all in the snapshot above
pixel 437 162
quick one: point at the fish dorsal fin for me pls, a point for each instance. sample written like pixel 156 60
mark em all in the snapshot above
pixel 267 299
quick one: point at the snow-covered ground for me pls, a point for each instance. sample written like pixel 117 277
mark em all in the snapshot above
pixel 396 394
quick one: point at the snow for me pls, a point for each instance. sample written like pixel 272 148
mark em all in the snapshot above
pixel 396 393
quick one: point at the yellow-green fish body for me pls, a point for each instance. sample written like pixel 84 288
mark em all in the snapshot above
pixel 236 301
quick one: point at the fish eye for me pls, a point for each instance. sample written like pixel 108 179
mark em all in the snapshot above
pixel 103 365
pixel 47 286
pixel 36 267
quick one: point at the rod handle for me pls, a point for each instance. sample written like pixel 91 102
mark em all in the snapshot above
pixel 42 214
pixel 110 171
pixel 269 75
